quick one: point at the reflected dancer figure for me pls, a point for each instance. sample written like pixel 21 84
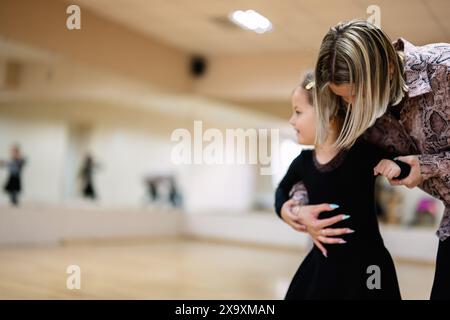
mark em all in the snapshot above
pixel 13 185
pixel 86 175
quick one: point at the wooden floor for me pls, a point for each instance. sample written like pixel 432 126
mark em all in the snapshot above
pixel 169 269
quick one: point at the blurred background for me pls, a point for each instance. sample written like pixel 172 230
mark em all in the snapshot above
pixel 90 97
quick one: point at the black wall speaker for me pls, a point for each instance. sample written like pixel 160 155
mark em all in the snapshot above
pixel 198 66
pixel 13 72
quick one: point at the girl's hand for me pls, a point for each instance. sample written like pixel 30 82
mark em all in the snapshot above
pixel 387 168
pixel 289 215
pixel 415 176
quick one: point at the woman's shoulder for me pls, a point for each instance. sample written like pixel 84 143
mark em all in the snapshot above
pixel 423 64
pixel 435 53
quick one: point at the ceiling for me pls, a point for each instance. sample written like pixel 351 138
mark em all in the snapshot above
pixel 298 25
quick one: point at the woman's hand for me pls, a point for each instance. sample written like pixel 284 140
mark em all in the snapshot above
pixel 414 178
pixel 387 168
pixel 306 219
pixel 317 228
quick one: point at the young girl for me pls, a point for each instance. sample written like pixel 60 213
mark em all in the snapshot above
pixel 362 268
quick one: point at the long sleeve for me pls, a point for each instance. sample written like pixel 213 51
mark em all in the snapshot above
pixel 435 165
pixel 292 176
pixel 405 169
pixel 376 154
pixel 388 134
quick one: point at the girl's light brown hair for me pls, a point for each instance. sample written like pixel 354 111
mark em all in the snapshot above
pixel 360 54
pixel 307 84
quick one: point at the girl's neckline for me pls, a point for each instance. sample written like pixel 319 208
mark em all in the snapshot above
pixel 332 164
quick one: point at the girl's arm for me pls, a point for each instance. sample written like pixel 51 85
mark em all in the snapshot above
pixel 384 162
pixel 392 169
pixel 292 176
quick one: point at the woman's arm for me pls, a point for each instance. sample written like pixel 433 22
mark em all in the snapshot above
pixel 414 178
pixel 389 135
pixel 433 165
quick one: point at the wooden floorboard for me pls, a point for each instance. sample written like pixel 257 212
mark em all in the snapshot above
pixel 166 269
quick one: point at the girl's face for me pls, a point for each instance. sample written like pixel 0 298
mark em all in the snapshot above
pixel 15 152
pixel 303 118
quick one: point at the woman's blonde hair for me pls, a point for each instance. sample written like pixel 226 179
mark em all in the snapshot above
pixel 358 53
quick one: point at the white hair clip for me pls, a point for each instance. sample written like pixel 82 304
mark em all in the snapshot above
pixel 310 85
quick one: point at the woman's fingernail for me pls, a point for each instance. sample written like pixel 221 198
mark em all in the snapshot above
pixel 334 206
pixel 350 231
pixel 342 241
pixel 325 255
pixel 345 217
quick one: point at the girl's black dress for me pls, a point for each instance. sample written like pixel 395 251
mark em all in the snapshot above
pixel 362 268
pixel 13 184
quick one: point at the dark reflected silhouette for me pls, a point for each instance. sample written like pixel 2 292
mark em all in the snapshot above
pixel 163 189
pixel 87 178
pixel 15 165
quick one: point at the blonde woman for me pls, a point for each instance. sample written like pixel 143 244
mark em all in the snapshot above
pixel 396 96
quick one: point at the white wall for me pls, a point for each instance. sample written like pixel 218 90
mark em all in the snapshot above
pixel 125 157
pixel 49 225
pixel 214 188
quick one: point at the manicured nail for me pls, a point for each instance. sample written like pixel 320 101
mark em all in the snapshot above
pixel 350 231
pixel 325 255
pixel 342 241
pixel 345 217
pixel 334 206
